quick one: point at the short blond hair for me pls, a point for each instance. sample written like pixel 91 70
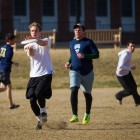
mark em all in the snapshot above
pixel 35 24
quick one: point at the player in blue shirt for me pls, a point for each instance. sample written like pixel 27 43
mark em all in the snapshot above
pixel 82 50
pixel 6 55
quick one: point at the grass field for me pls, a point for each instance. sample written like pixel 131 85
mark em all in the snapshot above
pixel 109 120
pixel 104 68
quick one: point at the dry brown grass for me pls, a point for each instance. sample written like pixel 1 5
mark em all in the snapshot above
pixel 109 120
pixel 104 68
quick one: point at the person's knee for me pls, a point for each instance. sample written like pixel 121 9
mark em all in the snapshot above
pixel 130 92
pixel 48 94
pixel 30 93
pixel 74 90
pixel 32 100
pixel 2 87
pixel 134 91
pixel 87 95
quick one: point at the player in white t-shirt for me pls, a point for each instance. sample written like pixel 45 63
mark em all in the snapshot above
pixel 41 70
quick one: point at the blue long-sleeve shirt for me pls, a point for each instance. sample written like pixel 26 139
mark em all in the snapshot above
pixel 6 55
pixel 86 47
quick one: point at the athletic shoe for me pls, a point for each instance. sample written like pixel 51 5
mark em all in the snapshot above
pixel 137 104
pixel 14 106
pixel 119 100
pixel 39 126
pixel 43 116
pixel 74 118
pixel 86 118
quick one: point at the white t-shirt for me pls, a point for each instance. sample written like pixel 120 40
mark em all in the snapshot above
pixel 124 66
pixel 40 63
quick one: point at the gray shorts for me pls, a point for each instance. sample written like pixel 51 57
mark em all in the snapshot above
pixel 84 82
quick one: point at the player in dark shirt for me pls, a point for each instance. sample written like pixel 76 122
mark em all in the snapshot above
pixel 6 55
pixel 82 50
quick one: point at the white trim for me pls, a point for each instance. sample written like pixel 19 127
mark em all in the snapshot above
pixel 50 22
pixel 21 22
pixel 128 23
pixel 72 19
pixel 104 22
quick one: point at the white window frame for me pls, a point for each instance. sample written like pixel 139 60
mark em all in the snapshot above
pixel 72 19
pixel 50 22
pixel 104 22
pixel 128 23
pixel 22 20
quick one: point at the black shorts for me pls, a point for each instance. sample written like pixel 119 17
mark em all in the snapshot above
pixel 5 77
pixel 39 86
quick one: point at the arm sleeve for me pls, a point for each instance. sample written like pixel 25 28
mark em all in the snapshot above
pixel 122 62
pixel 48 41
pixel 91 56
pixel 69 60
pixel 94 51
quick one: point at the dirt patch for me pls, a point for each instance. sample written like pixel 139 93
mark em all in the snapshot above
pixel 109 120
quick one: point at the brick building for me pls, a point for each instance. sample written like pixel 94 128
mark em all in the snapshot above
pixel 61 15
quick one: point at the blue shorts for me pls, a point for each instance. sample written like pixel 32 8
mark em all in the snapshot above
pixel 84 82
pixel 5 77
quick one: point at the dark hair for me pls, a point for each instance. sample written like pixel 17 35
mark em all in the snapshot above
pixel 9 36
pixel 130 41
pixel 78 25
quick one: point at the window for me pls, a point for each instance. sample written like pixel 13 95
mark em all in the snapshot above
pixel 101 8
pixel 73 7
pixel 49 14
pixel 21 14
pixel 126 8
pixel 20 8
pixel 48 7
pixel 128 15
pixel 76 12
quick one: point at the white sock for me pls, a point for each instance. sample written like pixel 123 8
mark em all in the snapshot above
pixel 38 118
pixel 43 110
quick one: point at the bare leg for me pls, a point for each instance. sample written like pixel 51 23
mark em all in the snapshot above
pixel 9 94
pixel 2 87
